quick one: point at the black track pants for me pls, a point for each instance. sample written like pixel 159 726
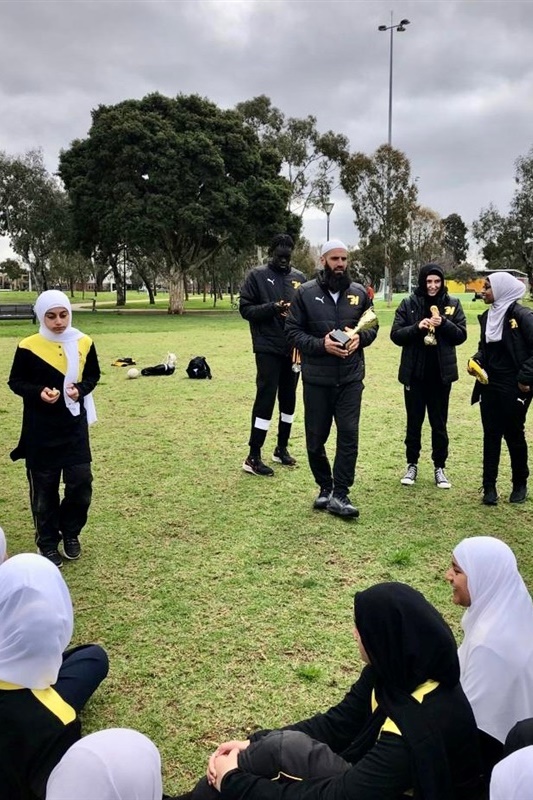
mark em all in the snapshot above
pixel 275 378
pixel 55 517
pixel 435 397
pixel 503 415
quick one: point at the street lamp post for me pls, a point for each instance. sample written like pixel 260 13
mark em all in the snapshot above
pixel 400 27
pixel 328 208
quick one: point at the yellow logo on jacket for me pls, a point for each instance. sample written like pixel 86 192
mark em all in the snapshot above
pixel 513 323
pixel 296 284
pixel 449 310
pixel 353 299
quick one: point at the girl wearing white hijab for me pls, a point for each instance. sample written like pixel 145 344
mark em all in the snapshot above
pixel 506 354
pixel 115 764
pixel 512 778
pixel 55 372
pixel 42 687
pixel 3 546
pixel 496 656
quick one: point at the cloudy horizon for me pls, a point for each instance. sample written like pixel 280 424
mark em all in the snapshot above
pixel 463 82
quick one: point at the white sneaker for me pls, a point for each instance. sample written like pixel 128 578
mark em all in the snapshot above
pixel 441 480
pixel 410 475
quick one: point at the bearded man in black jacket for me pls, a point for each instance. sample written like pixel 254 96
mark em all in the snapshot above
pixel 265 298
pixel 428 326
pixel 332 372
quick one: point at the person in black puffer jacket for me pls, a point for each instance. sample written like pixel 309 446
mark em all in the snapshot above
pixel 506 354
pixel 265 298
pixel 428 326
pixel 332 374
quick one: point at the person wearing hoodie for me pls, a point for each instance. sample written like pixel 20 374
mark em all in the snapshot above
pixel 428 326
pixel 332 372
pixel 265 298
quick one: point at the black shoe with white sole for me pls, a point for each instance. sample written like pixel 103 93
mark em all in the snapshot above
pixel 53 555
pixel 72 548
pixel 256 467
pixel 282 456
pixel 342 507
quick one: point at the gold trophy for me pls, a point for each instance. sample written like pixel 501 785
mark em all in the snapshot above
pixel 367 320
pixel 430 338
pixel 296 360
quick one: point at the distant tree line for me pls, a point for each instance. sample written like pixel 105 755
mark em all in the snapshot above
pixel 183 192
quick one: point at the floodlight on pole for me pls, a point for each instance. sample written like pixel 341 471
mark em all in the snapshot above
pixel 328 208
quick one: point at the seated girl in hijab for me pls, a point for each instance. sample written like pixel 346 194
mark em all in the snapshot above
pixel 3 546
pixel 496 655
pixel 404 728
pixel 42 687
pixel 115 764
pixel 512 778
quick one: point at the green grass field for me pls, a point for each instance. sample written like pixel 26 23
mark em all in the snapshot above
pixel 224 601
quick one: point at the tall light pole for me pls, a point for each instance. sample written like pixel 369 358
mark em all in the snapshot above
pixel 328 208
pixel 400 27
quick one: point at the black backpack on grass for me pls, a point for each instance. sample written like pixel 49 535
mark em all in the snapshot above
pixel 198 368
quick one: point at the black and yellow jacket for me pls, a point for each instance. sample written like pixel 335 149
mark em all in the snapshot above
pixel 51 436
pixel 385 772
pixel 260 293
pixel 406 333
pixel 313 314
pixel 36 729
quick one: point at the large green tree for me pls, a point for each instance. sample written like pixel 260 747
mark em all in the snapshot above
pixel 33 212
pixel 177 176
pixel 382 196
pixel 455 241
pixel 310 160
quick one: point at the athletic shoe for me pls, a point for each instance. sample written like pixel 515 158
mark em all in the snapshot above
pixel 441 480
pixel 410 475
pixel 321 502
pixel 72 548
pixel 342 507
pixel 519 493
pixel 256 467
pixel 282 456
pixel 53 555
pixel 490 495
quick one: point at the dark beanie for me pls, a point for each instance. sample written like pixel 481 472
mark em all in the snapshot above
pixel 425 271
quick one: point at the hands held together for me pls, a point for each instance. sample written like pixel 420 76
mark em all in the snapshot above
pixel 223 760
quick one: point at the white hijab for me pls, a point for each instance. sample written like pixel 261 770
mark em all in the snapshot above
pixel 36 621
pixel 512 778
pixel 496 655
pixel 115 764
pixel 3 546
pixel 69 341
pixel 506 290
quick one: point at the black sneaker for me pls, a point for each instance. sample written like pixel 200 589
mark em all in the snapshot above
pixel 72 548
pixel 519 493
pixel 321 502
pixel 410 475
pixel 54 556
pixel 342 507
pixel 282 456
pixel 490 495
pixel 256 467
pixel 441 481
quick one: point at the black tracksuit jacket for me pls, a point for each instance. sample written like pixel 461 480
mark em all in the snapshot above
pixel 262 289
pixel 313 314
pixel 406 333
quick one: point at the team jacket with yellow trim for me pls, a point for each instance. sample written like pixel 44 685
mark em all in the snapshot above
pixel 406 333
pixel 264 287
pixel 385 771
pixel 36 729
pixel 313 314
pixel 51 436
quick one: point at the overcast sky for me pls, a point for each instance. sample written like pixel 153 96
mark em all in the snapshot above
pixel 463 78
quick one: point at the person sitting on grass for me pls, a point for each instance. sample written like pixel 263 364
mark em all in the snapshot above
pixel 496 654
pixel 42 687
pixel 405 728
pixel 114 764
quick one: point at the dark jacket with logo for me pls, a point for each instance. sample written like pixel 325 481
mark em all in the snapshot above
pixel 262 289
pixel 517 337
pixel 313 314
pixel 406 333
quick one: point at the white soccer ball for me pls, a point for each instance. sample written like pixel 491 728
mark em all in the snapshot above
pixel 133 373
